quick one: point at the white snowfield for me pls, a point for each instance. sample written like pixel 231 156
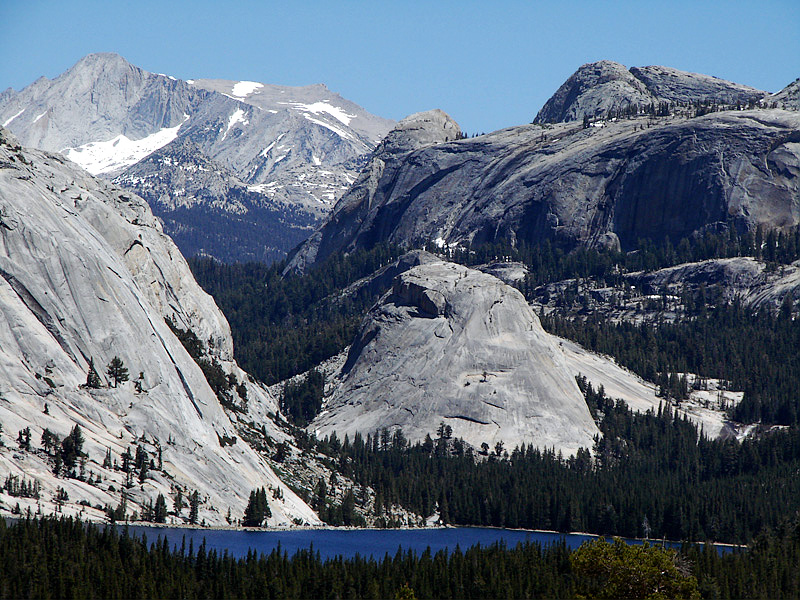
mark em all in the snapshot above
pixel 245 88
pixel 322 108
pixel 120 152
pixel 86 273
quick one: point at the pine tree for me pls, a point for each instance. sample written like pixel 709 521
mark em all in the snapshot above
pixel 194 507
pixel 257 510
pixel 160 510
pixel 178 503
pixel 92 378
pixel 117 370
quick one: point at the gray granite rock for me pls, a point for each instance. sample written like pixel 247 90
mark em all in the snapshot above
pixel 86 273
pixel 599 186
pixel 451 344
pixel 599 87
pixel 788 98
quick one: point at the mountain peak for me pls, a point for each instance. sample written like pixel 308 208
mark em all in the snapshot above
pixel 594 89
pixel 420 130
pixel 599 87
pixel 101 61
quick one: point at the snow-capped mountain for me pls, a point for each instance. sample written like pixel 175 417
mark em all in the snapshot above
pixel 297 148
pixel 86 275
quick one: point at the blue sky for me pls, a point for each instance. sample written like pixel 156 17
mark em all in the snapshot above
pixel 489 64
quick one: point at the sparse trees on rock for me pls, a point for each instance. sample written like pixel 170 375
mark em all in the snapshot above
pixel 24 438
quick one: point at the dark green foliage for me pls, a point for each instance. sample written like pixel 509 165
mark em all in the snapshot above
pixel 615 570
pixel 756 353
pixel 21 488
pixel 160 510
pixel 265 235
pixel 257 511
pixel 222 384
pixel 194 507
pixel 301 401
pixel 285 326
pixel 93 378
pixel 24 438
pixel 66 558
pixel 117 370
pixel 646 466
pixel 72 449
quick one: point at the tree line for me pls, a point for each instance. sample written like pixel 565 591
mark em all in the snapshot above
pixel 651 474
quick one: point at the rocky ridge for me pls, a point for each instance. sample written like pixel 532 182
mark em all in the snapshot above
pixel 86 274
pixel 297 147
pixel 207 210
pixel 397 373
pixel 598 88
pixel 645 177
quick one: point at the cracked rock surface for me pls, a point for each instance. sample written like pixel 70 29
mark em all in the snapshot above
pixel 451 344
pixel 86 273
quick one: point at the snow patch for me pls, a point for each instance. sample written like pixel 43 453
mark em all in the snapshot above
pixel 190 81
pixel 236 117
pixel 245 88
pixel 12 118
pixel 317 108
pixel 340 132
pixel 265 151
pixel 119 152
pixel 39 117
pixel 315 159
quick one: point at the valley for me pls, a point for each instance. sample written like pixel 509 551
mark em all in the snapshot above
pixel 229 304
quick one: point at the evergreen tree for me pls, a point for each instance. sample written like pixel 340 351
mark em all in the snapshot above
pixel 92 378
pixel 72 448
pixel 24 438
pixel 178 503
pixel 117 370
pixel 194 507
pixel 160 510
pixel 257 510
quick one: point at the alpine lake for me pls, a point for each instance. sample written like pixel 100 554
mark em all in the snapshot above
pixel 373 543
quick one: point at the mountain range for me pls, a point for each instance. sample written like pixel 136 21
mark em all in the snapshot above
pixel 243 169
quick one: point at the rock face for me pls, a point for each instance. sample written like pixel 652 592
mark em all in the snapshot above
pixel 741 279
pixel 789 97
pixel 454 345
pixel 611 185
pixel 87 274
pixel 295 147
pixel 362 202
pixel 599 87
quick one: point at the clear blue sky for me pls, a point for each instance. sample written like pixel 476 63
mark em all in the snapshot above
pixel 489 64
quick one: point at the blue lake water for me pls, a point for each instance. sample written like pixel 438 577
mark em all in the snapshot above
pixel 348 543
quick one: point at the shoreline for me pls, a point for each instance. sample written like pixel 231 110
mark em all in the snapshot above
pixel 325 527
pixel 304 528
